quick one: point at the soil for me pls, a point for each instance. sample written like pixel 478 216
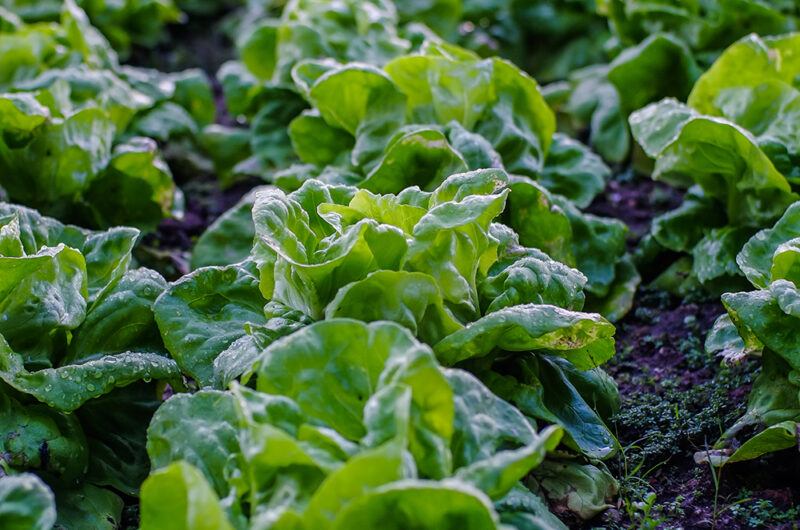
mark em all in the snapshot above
pixel 635 201
pixel 675 399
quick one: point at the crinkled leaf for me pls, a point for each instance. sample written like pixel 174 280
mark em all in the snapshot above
pixel 494 445
pixel 530 276
pixel 243 353
pixel 136 188
pixel 580 488
pixel 452 243
pixel 595 102
pixel 758 313
pixel 788 296
pixel 574 171
pixel 107 253
pixel 484 423
pixel 316 142
pixel 714 256
pixel 88 507
pixel 204 312
pixel 362 473
pixel 658 67
pixel 720 156
pixel 539 221
pixel 756 256
pixel 302 267
pixel 786 262
pixel 26 429
pixel 68 387
pixel 411 299
pixel 724 340
pixel 585 339
pixel 200 429
pixel 120 319
pixel 332 383
pixel 419 157
pixel 60 161
pixel 41 296
pixel 550 389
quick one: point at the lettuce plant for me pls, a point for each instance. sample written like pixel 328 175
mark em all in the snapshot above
pixel 763 324
pixel 258 87
pixel 735 147
pixel 79 132
pixel 504 121
pixel 434 262
pixel 600 98
pixel 82 367
pixel 262 88
pixel 410 120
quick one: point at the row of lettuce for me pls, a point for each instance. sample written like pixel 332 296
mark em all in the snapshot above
pixel 404 328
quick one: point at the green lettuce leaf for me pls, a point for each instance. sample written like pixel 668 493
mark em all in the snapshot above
pixel 707 28
pixel 200 429
pixel 718 155
pixel 583 489
pixel 68 387
pixel 550 389
pixel 88 506
pixel 585 339
pixel 424 505
pixel 28 428
pixel 334 384
pixel 204 312
pixel 412 299
pixel 756 256
pixel 181 489
pixel 27 503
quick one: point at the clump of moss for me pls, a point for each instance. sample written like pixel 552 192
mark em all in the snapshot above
pixel 671 419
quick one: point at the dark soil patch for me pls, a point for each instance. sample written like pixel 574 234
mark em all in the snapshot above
pixel 168 249
pixel 635 201
pixel 199 42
